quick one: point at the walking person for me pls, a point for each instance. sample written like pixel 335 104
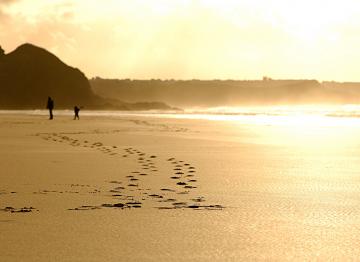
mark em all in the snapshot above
pixel 76 112
pixel 50 106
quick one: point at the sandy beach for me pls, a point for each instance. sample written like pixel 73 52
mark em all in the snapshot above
pixel 137 188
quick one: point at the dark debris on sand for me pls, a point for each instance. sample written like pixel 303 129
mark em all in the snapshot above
pixel 19 210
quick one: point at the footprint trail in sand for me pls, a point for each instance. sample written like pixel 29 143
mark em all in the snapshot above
pixel 134 190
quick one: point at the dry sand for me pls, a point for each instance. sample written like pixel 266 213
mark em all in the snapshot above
pixel 152 189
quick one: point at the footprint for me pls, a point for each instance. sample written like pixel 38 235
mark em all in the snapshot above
pixel 156 196
pixel 82 208
pixel 214 207
pixel 198 199
pixel 115 182
pixel 168 200
pixel 167 189
pixel 193 206
pixel 134 204
pixel 180 204
pixel 19 210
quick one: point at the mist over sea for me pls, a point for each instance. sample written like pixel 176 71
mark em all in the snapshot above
pixel 255 114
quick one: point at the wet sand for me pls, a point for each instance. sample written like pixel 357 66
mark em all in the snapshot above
pixel 151 189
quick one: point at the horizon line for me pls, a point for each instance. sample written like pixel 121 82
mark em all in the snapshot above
pixel 269 79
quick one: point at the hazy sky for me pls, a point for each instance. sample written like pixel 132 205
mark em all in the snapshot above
pixel 184 39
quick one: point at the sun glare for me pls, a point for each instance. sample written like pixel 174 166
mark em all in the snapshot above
pixel 312 131
pixel 311 127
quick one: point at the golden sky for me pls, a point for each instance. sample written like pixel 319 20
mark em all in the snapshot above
pixel 185 39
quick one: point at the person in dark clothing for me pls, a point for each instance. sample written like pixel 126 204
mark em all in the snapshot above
pixel 76 111
pixel 50 106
